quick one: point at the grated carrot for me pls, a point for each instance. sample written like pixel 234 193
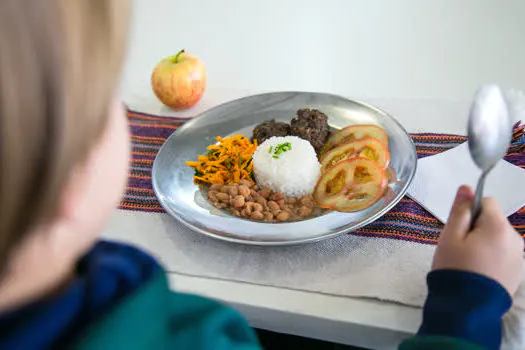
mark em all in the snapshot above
pixel 228 161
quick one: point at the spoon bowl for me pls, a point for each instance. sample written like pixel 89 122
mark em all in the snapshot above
pixel 489 135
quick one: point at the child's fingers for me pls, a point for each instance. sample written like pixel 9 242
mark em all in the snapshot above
pixel 458 224
pixel 492 217
pixel 490 210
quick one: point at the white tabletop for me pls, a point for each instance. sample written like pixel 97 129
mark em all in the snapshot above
pixel 419 60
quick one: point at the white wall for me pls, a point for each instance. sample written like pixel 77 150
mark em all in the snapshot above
pixel 372 48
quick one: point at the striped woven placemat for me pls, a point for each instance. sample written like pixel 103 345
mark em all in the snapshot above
pixel 406 221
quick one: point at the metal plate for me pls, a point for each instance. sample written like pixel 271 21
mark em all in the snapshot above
pixel 173 180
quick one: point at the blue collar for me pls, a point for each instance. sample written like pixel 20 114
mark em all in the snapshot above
pixel 109 272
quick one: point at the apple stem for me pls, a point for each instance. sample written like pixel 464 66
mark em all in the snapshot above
pixel 175 59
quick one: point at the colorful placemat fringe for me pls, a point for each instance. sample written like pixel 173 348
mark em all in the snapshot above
pixel 406 221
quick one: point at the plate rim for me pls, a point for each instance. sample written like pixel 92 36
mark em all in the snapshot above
pixel 237 240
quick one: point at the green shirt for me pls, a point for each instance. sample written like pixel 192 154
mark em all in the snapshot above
pixel 153 317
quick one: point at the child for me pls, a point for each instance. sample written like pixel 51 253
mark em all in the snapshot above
pixel 64 153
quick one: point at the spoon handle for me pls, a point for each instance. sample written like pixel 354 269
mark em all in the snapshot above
pixel 476 207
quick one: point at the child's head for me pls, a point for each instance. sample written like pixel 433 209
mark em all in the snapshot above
pixel 63 135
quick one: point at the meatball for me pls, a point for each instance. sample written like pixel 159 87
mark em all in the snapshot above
pixel 270 128
pixel 311 125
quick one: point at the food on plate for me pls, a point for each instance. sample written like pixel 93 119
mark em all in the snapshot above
pixel 309 124
pixel 286 164
pixel 312 126
pixel 179 81
pixel 367 148
pixel 391 174
pixel 228 161
pixel 249 201
pixel 355 132
pixel 281 176
pixel 351 185
pixel 270 128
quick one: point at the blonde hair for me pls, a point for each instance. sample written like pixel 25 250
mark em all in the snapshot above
pixel 59 65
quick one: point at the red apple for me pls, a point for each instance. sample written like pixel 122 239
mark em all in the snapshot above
pixel 179 80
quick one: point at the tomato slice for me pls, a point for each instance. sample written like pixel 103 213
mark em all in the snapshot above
pixel 355 132
pixel 368 148
pixel 351 185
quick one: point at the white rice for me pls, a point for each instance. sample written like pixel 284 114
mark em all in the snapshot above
pixel 294 173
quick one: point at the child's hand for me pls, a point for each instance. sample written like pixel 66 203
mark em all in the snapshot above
pixel 493 248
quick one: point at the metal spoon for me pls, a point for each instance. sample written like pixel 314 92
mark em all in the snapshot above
pixel 489 135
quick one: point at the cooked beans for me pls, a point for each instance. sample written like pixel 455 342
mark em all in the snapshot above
pixel 244 191
pixel 265 193
pixel 233 191
pixel 260 200
pixel 251 202
pixel 273 205
pixel 304 211
pixel 307 201
pixel 282 216
pixel 277 196
pixel 257 215
pixel 223 197
pixel 257 207
pixel 290 200
pixel 238 202
pixel 216 187
pixel 246 183
pixel 212 195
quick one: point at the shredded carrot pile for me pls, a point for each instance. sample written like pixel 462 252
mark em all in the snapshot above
pixel 227 162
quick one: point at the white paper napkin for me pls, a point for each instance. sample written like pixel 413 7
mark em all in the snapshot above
pixel 438 178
